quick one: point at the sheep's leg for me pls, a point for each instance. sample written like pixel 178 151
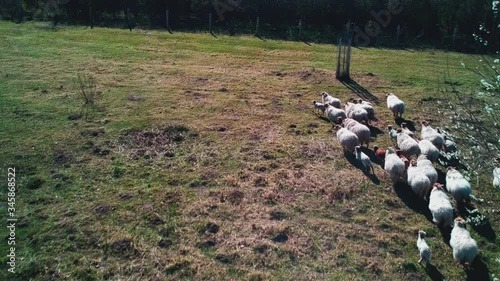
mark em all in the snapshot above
pixel 420 260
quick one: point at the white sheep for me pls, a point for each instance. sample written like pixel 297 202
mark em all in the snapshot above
pixel 364 159
pixel 423 248
pixel 440 206
pixel 347 139
pixel 464 247
pixel 368 107
pixel 458 186
pixel 407 144
pixel 393 165
pixel 327 99
pixel 319 106
pixel 333 114
pixel 362 131
pixel 496 178
pixel 356 112
pixel 426 167
pixel 428 149
pixel 393 134
pixel 396 105
pixel 449 145
pixel 432 135
pixel 417 180
pixel 406 130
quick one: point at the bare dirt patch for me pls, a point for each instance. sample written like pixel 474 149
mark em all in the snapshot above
pixel 152 143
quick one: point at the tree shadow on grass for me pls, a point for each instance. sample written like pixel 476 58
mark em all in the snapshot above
pixel 478 270
pixel 441 177
pixel 405 193
pixel 359 90
pixel 374 131
pixel 260 37
pixel 434 273
pixel 409 123
pixel 445 233
pixel 477 221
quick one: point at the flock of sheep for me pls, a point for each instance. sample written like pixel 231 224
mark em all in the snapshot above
pixel 410 161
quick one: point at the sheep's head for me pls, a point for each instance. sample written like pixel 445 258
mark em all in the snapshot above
pixel 327 105
pixel 422 157
pixel 403 125
pixel 360 100
pixel 375 147
pixel 450 168
pixel 357 148
pixel 424 123
pixel 324 94
pixel 399 130
pixel 389 127
pixel 460 222
pixel 314 102
pixel 337 127
pixel 413 162
pixel 437 186
pixel 421 234
pixel 340 119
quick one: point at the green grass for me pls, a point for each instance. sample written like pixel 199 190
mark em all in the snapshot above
pixel 109 210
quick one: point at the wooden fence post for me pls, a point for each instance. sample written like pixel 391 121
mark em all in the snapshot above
pixel 168 21
pixel 210 23
pixel 300 29
pixel 19 11
pixel 398 33
pixel 91 19
pixel 128 19
pixel 344 56
pixel 455 30
pixel 257 26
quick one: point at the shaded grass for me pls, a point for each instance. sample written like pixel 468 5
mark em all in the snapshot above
pixel 262 167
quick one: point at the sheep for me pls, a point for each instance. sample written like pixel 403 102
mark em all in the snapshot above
pixel 423 248
pixel 396 105
pixel 496 178
pixel 392 134
pixel 449 145
pixel 362 131
pixel 356 112
pixel 319 106
pixel 432 135
pixel 333 113
pixel 405 129
pixel 379 153
pixel 464 247
pixel 417 180
pixel 347 139
pixel 426 167
pixel 458 186
pixel 403 158
pixel 440 207
pixel 364 159
pixel 393 165
pixel 327 99
pixel 368 107
pixel 407 144
pixel 429 150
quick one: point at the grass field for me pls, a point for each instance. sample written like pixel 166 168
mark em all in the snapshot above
pixel 204 160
